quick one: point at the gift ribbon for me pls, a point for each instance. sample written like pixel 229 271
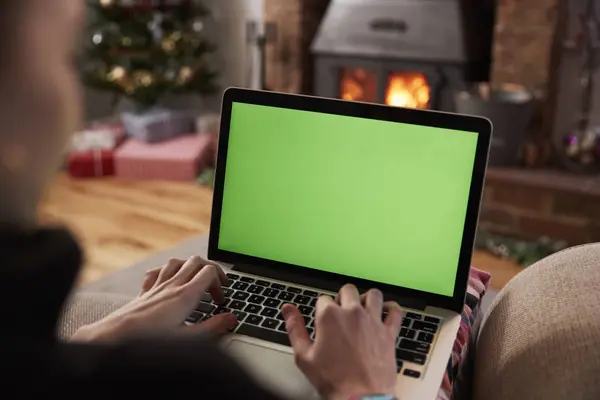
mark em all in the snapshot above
pixel 97 156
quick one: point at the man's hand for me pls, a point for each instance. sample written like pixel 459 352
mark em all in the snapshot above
pixel 169 295
pixel 354 352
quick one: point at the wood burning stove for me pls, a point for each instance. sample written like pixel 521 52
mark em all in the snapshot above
pixel 407 53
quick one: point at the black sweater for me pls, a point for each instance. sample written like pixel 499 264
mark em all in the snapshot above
pixel 37 272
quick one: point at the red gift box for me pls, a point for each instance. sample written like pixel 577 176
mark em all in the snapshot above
pixel 92 151
pixel 93 163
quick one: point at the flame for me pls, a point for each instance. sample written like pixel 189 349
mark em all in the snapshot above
pixel 408 90
pixel 357 84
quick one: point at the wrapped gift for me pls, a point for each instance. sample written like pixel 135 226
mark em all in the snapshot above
pixel 210 125
pixel 157 125
pixel 93 163
pixel 178 159
pixel 91 151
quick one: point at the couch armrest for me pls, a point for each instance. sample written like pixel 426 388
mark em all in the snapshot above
pixel 540 338
pixel 86 308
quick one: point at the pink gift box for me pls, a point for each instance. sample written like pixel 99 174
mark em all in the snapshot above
pixel 178 159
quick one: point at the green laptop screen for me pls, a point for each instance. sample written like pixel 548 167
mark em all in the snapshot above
pixel 371 199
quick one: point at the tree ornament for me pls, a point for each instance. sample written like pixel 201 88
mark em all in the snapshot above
pixel 107 3
pixel 198 26
pixel 185 75
pixel 117 74
pixel 169 43
pixel 142 78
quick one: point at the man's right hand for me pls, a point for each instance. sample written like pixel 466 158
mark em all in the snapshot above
pixel 354 352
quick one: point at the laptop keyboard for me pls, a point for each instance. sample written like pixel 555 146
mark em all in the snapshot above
pixel 257 303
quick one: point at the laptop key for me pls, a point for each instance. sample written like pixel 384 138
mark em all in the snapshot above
pixel 286 296
pixel 310 293
pixel 240 315
pixel 408 333
pixel 269 312
pixel 253 308
pixel 247 279
pixel 195 317
pixel 406 322
pixel 227 292
pixel 240 295
pixel 273 303
pixel 262 283
pixel 256 299
pixel 414 316
pixel 425 327
pixel 399 363
pixel 433 320
pixel 253 319
pixel 425 337
pixel 292 289
pixel 221 310
pixel 305 310
pixel 313 302
pixel 206 298
pixel 411 373
pixel 264 334
pixel 278 286
pixel 310 331
pixel 255 289
pixel 300 299
pixel 240 286
pixel 237 305
pixel 411 345
pixel 271 292
pixel 233 276
pixel 205 308
pixel 280 317
pixel 270 323
pixel 228 283
pixel 282 327
pixel 410 356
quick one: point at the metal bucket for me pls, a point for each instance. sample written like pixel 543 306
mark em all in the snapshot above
pixel 510 108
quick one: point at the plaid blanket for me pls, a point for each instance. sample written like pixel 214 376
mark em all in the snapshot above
pixel 478 285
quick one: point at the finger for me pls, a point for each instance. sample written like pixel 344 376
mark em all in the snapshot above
pixel 150 279
pixel 217 325
pixel 207 280
pixel 294 324
pixel 394 318
pixel 168 271
pixel 349 296
pixel 322 303
pixel 373 301
pixel 189 269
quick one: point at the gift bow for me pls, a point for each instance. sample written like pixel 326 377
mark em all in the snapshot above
pixel 93 140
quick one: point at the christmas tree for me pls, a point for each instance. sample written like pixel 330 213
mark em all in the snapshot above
pixel 145 49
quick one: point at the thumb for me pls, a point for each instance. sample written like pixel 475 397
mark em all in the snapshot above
pixel 216 325
pixel 294 324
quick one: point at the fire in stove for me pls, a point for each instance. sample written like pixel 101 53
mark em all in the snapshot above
pixel 404 89
pixel 408 90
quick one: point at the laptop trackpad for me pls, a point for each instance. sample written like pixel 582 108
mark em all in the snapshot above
pixel 275 369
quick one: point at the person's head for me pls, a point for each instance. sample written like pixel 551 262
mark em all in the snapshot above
pixel 39 98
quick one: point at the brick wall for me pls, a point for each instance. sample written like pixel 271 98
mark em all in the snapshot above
pixel 531 204
pixel 289 62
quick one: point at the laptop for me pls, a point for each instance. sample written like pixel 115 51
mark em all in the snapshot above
pixel 313 193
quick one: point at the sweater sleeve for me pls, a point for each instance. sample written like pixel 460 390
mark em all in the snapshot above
pixel 166 369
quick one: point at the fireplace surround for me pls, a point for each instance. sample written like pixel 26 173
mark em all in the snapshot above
pixel 410 53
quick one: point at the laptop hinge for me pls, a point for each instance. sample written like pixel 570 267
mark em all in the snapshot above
pixel 326 285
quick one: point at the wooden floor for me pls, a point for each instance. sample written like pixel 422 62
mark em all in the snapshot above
pixel 120 222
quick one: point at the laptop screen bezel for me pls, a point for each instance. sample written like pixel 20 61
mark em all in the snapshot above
pixel 480 125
